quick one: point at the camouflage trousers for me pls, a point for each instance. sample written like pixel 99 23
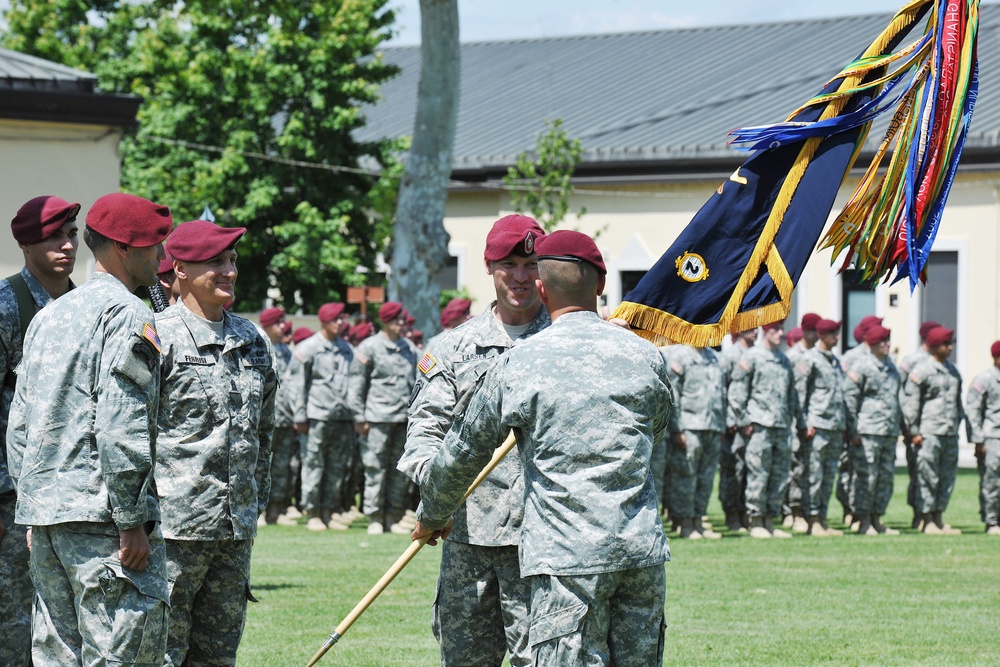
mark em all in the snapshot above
pixel 823 461
pixel 911 471
pixel 692 472
pixel 874 466
pixel 989 485
pixel 283 443
pixel 937 463
pixel 658 468
pixel 16 589
pixel 481 606
pixel 768 458
pixel 797 494
pixel 385 487
pixel 732 473
pixel 613 618
pixel 209 589
pixel 326 461
pixel 89 609
pixel 846 480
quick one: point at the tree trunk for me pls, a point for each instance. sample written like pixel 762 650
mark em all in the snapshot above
pixel 420 242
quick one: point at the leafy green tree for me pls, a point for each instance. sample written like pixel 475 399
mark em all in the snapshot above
pixel 249 108
pixel 542 187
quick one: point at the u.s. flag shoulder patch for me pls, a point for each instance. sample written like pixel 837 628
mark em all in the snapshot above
pixel 149 333
pixel 427 363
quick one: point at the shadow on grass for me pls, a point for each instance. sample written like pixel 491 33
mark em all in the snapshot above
pixel 274 587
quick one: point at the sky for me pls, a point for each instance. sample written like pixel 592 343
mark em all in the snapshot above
pixel 492 20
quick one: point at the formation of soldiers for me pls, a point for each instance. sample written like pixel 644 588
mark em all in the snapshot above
pixel 790 426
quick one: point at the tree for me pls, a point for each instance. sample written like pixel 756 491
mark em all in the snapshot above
pixel 420 245
pixel 249 107
pixel 542 187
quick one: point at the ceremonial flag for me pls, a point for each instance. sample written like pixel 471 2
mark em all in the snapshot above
pixel 736 263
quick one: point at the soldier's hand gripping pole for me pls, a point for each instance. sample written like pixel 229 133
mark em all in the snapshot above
pixel 404 560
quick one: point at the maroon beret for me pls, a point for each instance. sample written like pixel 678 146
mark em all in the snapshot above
pixel 166 265
pixel 926 327
pixel 328 312
pixel 877 334
pixel 827 327
pixel 567 245
pixel 417 336
pixel 780 324
pixel 130 220
pixel 410 319
pixel 809 321
pixel 939 336
pixel 301 334
pixel 455 310
pixel 41 217
pixel 286 328
pixel 270 316
pixel 390 310
pixel 362 331
pixel 512 235
pixel 995 349
pixel 201 240
pixel 793 336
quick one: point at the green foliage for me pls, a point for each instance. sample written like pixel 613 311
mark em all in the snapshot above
pixel 542 187
pixel 449 294
pixel 248 107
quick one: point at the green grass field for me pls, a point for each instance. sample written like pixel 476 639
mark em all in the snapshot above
pixel 907 600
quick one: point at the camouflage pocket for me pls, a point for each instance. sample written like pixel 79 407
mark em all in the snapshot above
pixel 136 606
pixel 556 625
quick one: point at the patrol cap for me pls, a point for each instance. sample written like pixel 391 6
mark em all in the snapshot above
pixel 201 240
pixel 780 324
pixel 793 336
pixel 130 219
pixel 939 336
pixel 328 312
pixel 166 265
pixel 455 310
pixel 566 245
pixel 926 327
pixel 809 321
pixel 41 217
pixel 995 349
pixel 301 334
pixel 512 235
pixel 824 327
pixel 390 310
pixel 877 334
pixel 271 316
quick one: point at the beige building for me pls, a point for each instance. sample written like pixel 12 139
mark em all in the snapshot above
pixel 58 136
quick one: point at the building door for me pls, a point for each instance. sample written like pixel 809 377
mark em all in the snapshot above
pixel 857 302
pixel 939 296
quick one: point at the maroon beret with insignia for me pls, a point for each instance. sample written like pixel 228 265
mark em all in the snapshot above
pixel 129 219
pixel 512 235
pixel 570 246
pixel 41 217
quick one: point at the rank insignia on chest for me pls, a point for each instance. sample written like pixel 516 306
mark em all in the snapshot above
pixel 427 363
pixel 149 333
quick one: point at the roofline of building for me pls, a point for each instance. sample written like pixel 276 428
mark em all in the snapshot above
pixel 70 107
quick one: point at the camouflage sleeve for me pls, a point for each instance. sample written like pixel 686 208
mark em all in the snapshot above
pixel 466 450
pixel 431 413
pixel 662 426
pixel 359 380
pixel 299 369
pixel 16 435
pixel 854 390
pixel 125 418
pixel 910 401
pixel 962 414
pixel 262 473
pixel 796 409
pixel 803 376
pixel 675 380
pixel 739 391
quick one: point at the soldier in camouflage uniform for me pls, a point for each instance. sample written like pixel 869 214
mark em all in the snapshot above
pixel 797 495
pixel 874 422
pixel 696 427
pixel 764 407
pixel 382 377
pixel 272 321
pixel 593 546
pixel 213 458
pixel 908 363
pixel 322 413
pixel 932 411
pixel 819 382
pixel 45 229
pixel 982 408
pixel 81 446
pixel 732 455
pixel 481 605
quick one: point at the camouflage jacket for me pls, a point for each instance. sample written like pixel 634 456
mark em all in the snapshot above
pixel 982 405
pixel 82 435
pixel 819 383
pixel 699 388
pixel 849 358
pixel 216 418
pixel 871 394
pixel 447 375
pixel 586 401
pixel 910 362
pixel 762 390
pixel 932 399
pixel 283 397
pixel 727 360
pixel 381 379
pixel 318 383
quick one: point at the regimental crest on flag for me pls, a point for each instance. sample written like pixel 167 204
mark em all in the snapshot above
pixel 691 267
pixel 149 333
pixel 427 363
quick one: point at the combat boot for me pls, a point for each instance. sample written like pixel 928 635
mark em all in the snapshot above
pixel 918 521
pixel 993 530
pixel 880 527
pixel 757 528
pixel 733 522
pixel 315 522
pixel 705 530
pixel 929 527
pixel 292 512
pixel 865 526
pixel 816 527
pixel 788 521
pixel 946 527
pixel 285 520
pixel 687 529
pixel 775 532
pixel 830 532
